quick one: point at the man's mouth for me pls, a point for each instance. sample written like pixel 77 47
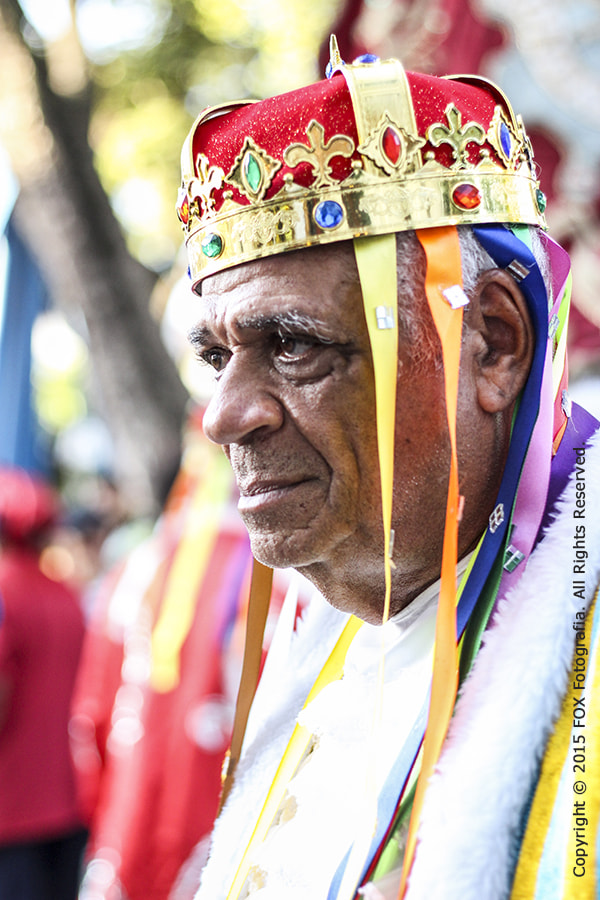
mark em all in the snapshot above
pixel 261 493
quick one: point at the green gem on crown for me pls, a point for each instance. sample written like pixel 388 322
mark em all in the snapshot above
pixel 252 172
pixel 541 200
pixel 212 245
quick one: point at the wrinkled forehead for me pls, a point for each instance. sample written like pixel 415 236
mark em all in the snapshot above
pixel 319 285
pixel 311 264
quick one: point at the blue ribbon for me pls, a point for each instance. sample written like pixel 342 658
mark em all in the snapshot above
pixel 504 247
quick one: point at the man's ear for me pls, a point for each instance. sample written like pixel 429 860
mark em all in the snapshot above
pixel 505 340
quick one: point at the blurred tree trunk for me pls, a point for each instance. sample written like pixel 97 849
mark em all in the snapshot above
pixel 64 215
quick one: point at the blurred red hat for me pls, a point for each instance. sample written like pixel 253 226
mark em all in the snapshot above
pixel 28 504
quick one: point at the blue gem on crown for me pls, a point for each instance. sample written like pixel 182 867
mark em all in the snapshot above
pixel 328 214
pixel 506 139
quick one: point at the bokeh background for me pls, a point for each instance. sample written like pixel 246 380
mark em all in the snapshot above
pixel 96 97
pixel 101 395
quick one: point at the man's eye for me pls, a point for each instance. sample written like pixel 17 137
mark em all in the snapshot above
pixel 215 357
pixel 293 347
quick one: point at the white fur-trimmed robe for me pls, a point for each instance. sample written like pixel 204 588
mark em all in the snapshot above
pixel 503 718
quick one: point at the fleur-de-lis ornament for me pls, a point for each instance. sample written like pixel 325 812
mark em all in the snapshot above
pixel 319 154
pixel 456 135
pixel 210 178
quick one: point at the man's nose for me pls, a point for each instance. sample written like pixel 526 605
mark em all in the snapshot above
pixel 242 406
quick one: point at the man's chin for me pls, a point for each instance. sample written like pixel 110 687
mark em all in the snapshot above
pixel 281 552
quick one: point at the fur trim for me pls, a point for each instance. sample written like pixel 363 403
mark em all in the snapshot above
pixel 475 802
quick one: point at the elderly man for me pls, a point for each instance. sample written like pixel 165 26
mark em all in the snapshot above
pixel 387 322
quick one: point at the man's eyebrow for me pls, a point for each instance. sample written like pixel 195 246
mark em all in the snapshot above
pixel 200 336
pixel 289 321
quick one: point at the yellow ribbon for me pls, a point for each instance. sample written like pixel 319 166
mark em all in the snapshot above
pixel 376 262
pixel 187 571
pixel 294 753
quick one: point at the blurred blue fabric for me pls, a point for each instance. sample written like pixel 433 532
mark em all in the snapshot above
pixel 23 295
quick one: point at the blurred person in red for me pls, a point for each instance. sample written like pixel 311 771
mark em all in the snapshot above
pixel 153 705
pixel 41 634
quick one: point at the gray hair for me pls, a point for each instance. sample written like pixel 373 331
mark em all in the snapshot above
pixel 414 320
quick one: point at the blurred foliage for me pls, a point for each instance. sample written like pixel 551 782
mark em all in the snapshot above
pixel 126 78
pixel 60 372
pixel 199 52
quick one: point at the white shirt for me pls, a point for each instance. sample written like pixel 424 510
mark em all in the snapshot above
pixel 358 724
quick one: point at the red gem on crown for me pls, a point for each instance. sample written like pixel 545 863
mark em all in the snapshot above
pixel 466 196
pixel 183 208
pixel 391 144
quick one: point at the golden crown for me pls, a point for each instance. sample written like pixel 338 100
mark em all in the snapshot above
pixel 371 150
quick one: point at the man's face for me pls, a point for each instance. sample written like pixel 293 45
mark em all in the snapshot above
pixel 294 410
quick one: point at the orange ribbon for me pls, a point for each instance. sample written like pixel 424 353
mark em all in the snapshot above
pixel 444 270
